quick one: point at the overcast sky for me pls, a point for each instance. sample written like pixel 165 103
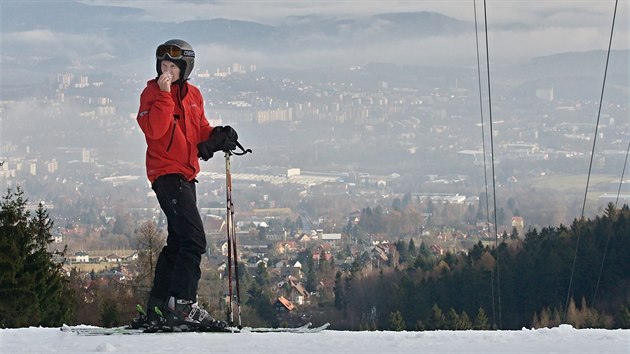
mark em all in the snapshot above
pixel 518 31
pixel 537 13
pixel 544 27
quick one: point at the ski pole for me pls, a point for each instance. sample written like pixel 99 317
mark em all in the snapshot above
pixel 231 236
pixel 234 248
pixel 228 217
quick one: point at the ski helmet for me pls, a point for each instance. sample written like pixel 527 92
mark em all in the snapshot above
pixel 180 53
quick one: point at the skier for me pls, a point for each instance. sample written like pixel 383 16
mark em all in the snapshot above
pixel 177 133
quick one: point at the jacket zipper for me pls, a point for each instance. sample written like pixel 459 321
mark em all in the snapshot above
pixel 175 117
pixel 172 135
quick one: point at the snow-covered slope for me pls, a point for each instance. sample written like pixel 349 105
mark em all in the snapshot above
pixel 564 339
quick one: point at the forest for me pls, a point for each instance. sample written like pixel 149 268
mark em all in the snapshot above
pixel 575 274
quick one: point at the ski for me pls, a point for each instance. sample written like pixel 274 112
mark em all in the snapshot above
pixel 101 331
pixel 302 329
pixel 126 330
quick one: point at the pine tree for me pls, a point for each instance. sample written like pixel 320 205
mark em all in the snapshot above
pixel 397 204
pixel 573 315
pixel 32 287
pixel 623 321
pixel 452 319
pixel 340 301
pixel 413 251
pixel 481 321
pixel 610 211
pixel 260 296
pixel 403 251
pixel 464 323
pixel 396 322
pixel 437 320
pixel 311 274
pixel 110 315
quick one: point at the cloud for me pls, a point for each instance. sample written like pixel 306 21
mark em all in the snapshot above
pixel 58 42
pixel 431 51
pixel 45 52
pixel 34 36
pixel 564 13
pixel 547 28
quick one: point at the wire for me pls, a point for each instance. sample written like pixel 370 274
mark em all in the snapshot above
pixel 483 142
pixel 625 162
pixel 494 188
pixel 590 166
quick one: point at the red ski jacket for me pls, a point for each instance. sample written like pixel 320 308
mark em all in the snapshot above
pixel 172 126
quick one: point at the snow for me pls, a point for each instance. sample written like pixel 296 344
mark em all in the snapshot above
pixel 563 339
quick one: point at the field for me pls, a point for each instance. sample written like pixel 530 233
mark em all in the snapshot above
pixel 577 183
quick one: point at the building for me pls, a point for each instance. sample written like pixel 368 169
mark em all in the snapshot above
pixel 82 257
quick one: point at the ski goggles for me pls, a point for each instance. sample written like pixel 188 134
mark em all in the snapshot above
pixel 173 52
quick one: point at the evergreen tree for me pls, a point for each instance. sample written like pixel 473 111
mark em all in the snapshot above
pixel 340 301
pixel 424 250
pixel 311 274
pixel 260 296
pixel 403 251
pixel 610 211
pixel 262 276
pixel 397 204
pixel 437 320
pixel 623 321
pixel 32 287
pixel 463 322
pixel 452 319
pixel 378 221
pixel 366 222
pixel 110 316
pixel 396 322
pixel 260 300
pixel 514 234
pixel 413 252
pixel 481 321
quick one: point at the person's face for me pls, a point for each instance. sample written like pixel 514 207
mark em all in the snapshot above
pixel 170 67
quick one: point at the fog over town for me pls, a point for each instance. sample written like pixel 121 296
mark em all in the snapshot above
pixel 346 105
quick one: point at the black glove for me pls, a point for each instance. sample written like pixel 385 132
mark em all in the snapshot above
pixel 221 139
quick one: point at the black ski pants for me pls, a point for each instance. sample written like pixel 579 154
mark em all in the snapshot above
pixel 178 270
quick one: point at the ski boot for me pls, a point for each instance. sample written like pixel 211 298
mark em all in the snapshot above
pixel 153 321
pixel 186 315
pixel 142 320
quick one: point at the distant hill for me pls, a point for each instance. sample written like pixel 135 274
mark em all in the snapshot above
pixel 575 75
pixel 54 36
pixel 48 37
pixel 123 26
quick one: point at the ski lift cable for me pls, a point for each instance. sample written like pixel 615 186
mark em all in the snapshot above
pixel 494 188
pixel 601 267
pixel 483 147
pixel 625 162
pixel 599 110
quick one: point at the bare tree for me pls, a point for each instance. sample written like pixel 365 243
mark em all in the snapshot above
pixel 151 240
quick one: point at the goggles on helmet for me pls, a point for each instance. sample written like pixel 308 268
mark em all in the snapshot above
pixel 173 52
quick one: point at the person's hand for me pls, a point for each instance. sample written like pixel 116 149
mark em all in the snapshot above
pixel 231 136
pixel 164 81
pixel 221 139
